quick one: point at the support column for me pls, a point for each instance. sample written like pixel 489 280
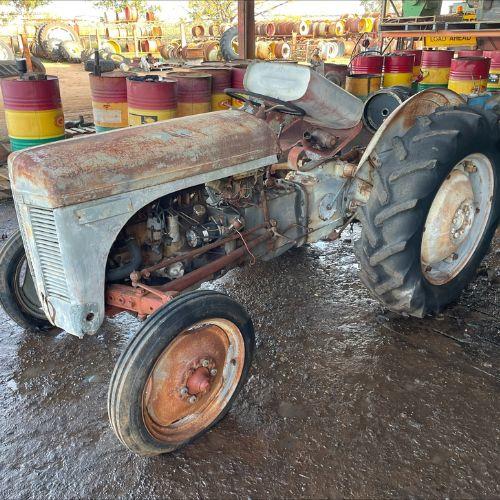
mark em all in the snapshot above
pixel 246 29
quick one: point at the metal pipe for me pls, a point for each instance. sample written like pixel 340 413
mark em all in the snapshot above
pixel 146 272
pixel 203 272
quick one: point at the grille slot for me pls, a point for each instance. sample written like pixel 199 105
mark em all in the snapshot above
pixel 49 252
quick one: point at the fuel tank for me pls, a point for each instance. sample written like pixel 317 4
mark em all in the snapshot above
pixel 137 158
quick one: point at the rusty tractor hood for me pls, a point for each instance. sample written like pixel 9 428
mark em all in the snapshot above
pixel 101 165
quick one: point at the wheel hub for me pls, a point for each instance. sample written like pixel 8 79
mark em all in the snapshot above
pixel 462 221
pixel 193 379
pixel 447 221
pixel 199 381
pixel 457 219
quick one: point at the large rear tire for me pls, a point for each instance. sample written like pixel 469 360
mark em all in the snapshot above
pixel 228 44
pixel 433 211
pixel 181 372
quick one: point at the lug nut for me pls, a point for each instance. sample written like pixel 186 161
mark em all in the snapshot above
pixel 213 372
pixel 454 256
pixel 192 400
pixel 184 391
pixel 205 363
pixel 428 268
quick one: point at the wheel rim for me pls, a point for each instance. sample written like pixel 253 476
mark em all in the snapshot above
pixel 24 290
pixel 457 219
pixel 59 33
pixel 193 380
pixel 234 44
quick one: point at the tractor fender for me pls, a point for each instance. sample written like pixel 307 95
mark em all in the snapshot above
pixel 397 124
pixel 73 197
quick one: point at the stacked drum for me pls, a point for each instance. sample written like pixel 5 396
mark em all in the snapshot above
pixel 33 110
pixel 494 76
pixel 469 75
pixel 435 68
pixel 193 92
pixel 151 99
pixel 237 77
pixel 221 80
pixel 366 75
pixel 417 65
pixel 398 70
pixel 109 100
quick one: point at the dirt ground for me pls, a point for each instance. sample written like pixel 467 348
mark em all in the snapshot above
pixel 343 399
pixel 75 93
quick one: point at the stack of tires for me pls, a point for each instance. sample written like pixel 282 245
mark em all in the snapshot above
pixel 58 42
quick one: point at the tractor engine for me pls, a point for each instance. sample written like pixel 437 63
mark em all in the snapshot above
pixel 171 234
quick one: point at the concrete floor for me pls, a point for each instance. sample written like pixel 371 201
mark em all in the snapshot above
pixel 343 400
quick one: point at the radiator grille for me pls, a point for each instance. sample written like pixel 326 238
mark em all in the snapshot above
pixel 49 253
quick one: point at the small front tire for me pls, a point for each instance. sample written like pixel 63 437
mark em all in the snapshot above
pixel 17 289
pixel 181 372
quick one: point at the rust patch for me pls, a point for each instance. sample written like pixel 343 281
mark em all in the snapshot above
pixel 102 165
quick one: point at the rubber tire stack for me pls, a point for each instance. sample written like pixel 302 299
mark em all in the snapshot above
pixel 56 49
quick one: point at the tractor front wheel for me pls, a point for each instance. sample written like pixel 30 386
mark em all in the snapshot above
pixel 18 295
pixel 181 372
pixel 433 211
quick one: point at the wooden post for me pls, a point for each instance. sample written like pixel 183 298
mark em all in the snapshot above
pixel 246 29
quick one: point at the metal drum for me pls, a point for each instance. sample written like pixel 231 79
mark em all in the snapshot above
pixel 435 68
pixel 381 104
pixel 363 85
pixel 109 100
pixel 369 64
pixel 469 75
pixel 417 66
pixel 33 111
pixel 221 80
pixel 193 92
pixel 469 53
pixel 340 28
pixel 398 70
pixel 494 76
pixel 417 62
pixel 150 99
pixel 366 24
pixel 237 76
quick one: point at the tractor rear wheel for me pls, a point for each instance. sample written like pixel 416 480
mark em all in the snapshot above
pixel 181 372
pixel 433 211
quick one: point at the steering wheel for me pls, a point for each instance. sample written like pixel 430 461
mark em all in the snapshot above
pixel 258 99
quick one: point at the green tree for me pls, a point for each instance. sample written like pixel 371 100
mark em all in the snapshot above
pixel 118 5
pixel 226 11
pixel 217 11
pixel 24 8
pixel 371 6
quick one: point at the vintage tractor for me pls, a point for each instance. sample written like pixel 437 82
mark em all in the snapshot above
pixel 133 220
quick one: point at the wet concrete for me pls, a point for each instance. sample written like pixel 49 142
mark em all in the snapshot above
pixel 343 400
